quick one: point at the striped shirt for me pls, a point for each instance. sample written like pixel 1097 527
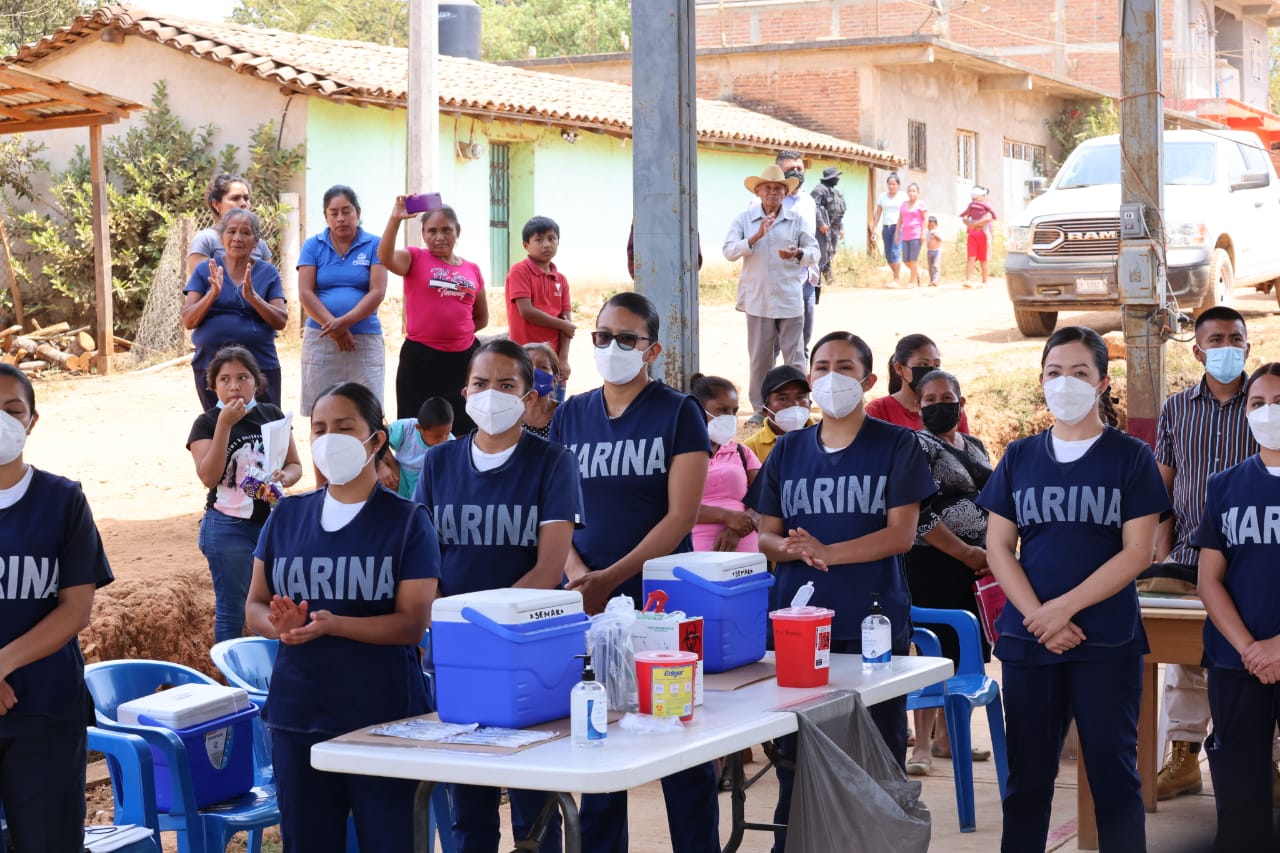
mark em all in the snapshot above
pixel 1198 436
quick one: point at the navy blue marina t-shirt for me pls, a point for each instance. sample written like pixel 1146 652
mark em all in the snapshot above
pixel 333 685
pixel 488 521
pixel 1242 520
pixel 624 464
pixel 1070 517
pixel 841 496
pixel 48 543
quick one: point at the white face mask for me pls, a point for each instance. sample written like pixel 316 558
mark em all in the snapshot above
pixel 339 457
pixel 722 428
pixel 1264 423
pixel 619 366
pixel 837 394
pixel 494 411
pixel 13 438
pixel 791 418
pixel 1070 399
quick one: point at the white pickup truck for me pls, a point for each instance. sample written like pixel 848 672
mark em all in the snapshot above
pixel 1222 203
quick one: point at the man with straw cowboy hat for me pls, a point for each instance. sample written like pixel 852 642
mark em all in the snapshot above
pixel 776 251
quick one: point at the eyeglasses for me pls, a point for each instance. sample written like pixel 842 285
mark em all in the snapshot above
pixel 626 340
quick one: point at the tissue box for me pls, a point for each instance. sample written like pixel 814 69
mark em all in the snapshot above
pixel 666 632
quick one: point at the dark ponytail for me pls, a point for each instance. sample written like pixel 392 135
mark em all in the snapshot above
pixel 907 347
pixel 706 388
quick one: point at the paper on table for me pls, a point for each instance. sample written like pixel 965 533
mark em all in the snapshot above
pixel 275 442
pixel 104 839
pixel 420 729
pixel 494 736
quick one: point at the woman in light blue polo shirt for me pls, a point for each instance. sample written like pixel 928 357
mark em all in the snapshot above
pixel 341 283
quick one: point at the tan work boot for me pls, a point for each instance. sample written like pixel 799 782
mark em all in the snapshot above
pixel 1180 774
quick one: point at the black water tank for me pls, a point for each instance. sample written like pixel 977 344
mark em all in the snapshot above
pixel 460 29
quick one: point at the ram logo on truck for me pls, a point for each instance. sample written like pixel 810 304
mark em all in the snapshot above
pixel 1221 196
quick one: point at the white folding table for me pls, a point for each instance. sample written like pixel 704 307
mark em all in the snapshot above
pixel 727 723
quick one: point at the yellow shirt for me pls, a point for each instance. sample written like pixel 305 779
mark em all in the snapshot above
pixel 761 442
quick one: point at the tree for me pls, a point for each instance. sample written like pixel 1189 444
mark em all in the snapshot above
pixel 553 27
pixel 511 27
pixel 25 21
pixel 378 21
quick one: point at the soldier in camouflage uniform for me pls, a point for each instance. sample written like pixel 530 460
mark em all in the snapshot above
pixel 830 201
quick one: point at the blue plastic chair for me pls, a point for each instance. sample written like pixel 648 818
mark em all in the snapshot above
pixel 248 661
pixel 969 688
pixel 133 783
pixel 199 830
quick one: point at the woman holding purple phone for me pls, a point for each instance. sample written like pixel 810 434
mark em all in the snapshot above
pixel 444 307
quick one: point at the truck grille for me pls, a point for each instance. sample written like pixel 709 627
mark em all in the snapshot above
pixel 1077 238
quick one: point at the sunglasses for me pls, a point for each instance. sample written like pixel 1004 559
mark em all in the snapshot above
pixel 626 340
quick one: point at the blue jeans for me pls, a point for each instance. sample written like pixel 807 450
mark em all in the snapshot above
pixel 228 543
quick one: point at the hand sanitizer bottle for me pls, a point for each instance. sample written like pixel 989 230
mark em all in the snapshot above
pixel 588 708
pixel 877 639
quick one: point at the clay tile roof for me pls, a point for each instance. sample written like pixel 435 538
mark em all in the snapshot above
pixel 370 74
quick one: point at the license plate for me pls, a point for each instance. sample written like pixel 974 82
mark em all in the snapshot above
pixel 1091 286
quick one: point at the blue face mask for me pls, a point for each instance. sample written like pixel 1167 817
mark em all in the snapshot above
pixel 248 407
pixel 1224 364
pixel 543 382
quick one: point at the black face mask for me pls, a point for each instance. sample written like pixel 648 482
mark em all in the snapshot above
pixel 795 173
pixel 940 418
pixel 830 182
pixel 917 373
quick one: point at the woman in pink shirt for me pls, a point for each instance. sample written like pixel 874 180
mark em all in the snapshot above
pixel 724 522
pixel 444 307
pixel 911 218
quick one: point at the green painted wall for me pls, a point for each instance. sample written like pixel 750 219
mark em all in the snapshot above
pixel 585 186
pixel 363 148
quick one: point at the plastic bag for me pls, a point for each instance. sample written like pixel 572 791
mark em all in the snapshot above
pixel 647 724
pixel 850 794
pixel 612 655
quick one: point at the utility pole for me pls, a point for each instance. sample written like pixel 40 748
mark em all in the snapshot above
pixel 423 167
pixel 1140 273
pixel 665 175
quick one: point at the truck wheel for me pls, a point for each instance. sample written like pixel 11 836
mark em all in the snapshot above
pixel 1035 324
pixel 1222 281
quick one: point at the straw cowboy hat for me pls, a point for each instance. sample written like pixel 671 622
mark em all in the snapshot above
pixel 771 175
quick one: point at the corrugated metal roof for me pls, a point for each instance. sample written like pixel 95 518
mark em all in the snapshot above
pixel 370 74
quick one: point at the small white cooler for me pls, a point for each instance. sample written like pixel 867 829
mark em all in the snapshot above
pixel 216 726
pixel 729 590
pixel 506 657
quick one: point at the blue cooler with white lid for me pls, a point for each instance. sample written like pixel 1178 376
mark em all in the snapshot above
pixel 215 724
pixel 729 590
pixel 505 657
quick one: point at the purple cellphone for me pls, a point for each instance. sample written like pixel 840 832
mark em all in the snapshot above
pixel 422 202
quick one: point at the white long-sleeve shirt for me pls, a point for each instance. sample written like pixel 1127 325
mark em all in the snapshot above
pixel 768 285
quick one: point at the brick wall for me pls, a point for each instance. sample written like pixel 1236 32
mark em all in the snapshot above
pixel 1083 46
pixel 825 99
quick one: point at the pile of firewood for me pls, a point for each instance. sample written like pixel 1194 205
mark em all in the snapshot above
pixel 57 346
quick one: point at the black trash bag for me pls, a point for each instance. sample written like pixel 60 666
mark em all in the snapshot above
pixel 850 793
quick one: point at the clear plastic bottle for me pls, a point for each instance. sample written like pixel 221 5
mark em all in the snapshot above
pixel 588 709
pixel 877 639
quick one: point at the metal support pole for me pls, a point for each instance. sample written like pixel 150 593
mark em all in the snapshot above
pixel 104 291
pixel 423 172
pixel 1142 181
pixel 665 175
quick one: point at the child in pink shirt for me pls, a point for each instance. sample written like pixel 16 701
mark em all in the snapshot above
pixel 724 522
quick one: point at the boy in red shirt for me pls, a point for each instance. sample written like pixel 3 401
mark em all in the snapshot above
pixel 538 308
